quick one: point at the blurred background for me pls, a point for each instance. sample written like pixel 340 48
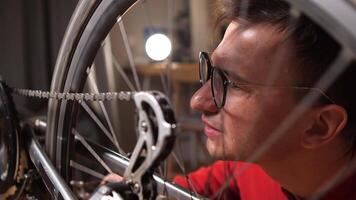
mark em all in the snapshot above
pixel 31 37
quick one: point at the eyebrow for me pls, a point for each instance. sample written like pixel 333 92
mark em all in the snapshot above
pixel 231 75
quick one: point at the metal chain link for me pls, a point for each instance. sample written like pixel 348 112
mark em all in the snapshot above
pixel 105 96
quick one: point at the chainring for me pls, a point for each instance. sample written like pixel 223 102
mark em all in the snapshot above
pixel 9 143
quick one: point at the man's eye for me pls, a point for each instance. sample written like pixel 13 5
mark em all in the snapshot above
pixel 230 76
pixel 226 73
pixel 236 86
pixel 241 87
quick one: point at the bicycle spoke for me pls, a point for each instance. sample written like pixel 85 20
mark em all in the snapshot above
pixel 86 170
pixel 163 173
pixel 110 67
pixel 170 11
pixel 183 169
pixel 129 53
pixel 165 75
pixel 166 83
pixel 144 6
pixel 97 121
pixel 104 111
pixel 179 163
pixel 91 150
pixel 337 178
pixel 124 76
pixel 111 60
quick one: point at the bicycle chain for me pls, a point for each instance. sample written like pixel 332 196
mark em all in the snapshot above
pixel 104 96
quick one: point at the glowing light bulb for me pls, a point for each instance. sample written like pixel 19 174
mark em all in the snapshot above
pixel 158 47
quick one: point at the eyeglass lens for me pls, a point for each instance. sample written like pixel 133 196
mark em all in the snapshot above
pixel 217 82
pixel 203 69
pixel 218 87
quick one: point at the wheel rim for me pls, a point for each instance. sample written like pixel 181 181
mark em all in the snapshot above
pixel 62 115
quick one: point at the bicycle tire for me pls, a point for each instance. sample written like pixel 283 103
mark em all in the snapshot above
pixel 88 27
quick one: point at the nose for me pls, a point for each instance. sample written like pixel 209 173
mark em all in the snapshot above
pixel 202 100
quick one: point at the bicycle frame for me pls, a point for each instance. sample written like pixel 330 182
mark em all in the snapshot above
pixel 56 184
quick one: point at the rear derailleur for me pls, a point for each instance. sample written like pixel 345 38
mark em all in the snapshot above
pixel 155 127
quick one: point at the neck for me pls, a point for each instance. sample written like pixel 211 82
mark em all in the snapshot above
pixel 307 175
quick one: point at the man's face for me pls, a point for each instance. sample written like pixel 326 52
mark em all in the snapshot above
pixel 257 54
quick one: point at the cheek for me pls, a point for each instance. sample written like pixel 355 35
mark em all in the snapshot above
pixel 248 123
pixel 239 118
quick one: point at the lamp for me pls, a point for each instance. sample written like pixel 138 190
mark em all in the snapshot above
pixel 158 47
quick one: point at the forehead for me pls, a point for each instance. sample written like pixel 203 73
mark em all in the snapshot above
pixel 254 52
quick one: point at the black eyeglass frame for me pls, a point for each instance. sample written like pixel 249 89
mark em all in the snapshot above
pixel 210 71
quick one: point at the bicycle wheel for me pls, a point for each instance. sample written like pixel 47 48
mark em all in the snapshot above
pixel 88 28
pixel 86 33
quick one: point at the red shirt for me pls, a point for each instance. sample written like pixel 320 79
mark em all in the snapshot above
pixel 252 183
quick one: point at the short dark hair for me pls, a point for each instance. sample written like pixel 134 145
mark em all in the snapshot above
pixel 315 50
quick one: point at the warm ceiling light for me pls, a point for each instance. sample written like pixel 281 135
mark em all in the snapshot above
pixel 158 47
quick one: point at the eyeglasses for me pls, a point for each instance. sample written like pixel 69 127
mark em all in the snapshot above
pixel 220 82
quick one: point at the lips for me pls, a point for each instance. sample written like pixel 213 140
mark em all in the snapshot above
pixel 209 129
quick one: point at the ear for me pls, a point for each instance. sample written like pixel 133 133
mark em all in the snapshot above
pixel 328 123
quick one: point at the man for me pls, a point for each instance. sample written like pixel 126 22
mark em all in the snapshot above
pixel 257 106
pixel 261 71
